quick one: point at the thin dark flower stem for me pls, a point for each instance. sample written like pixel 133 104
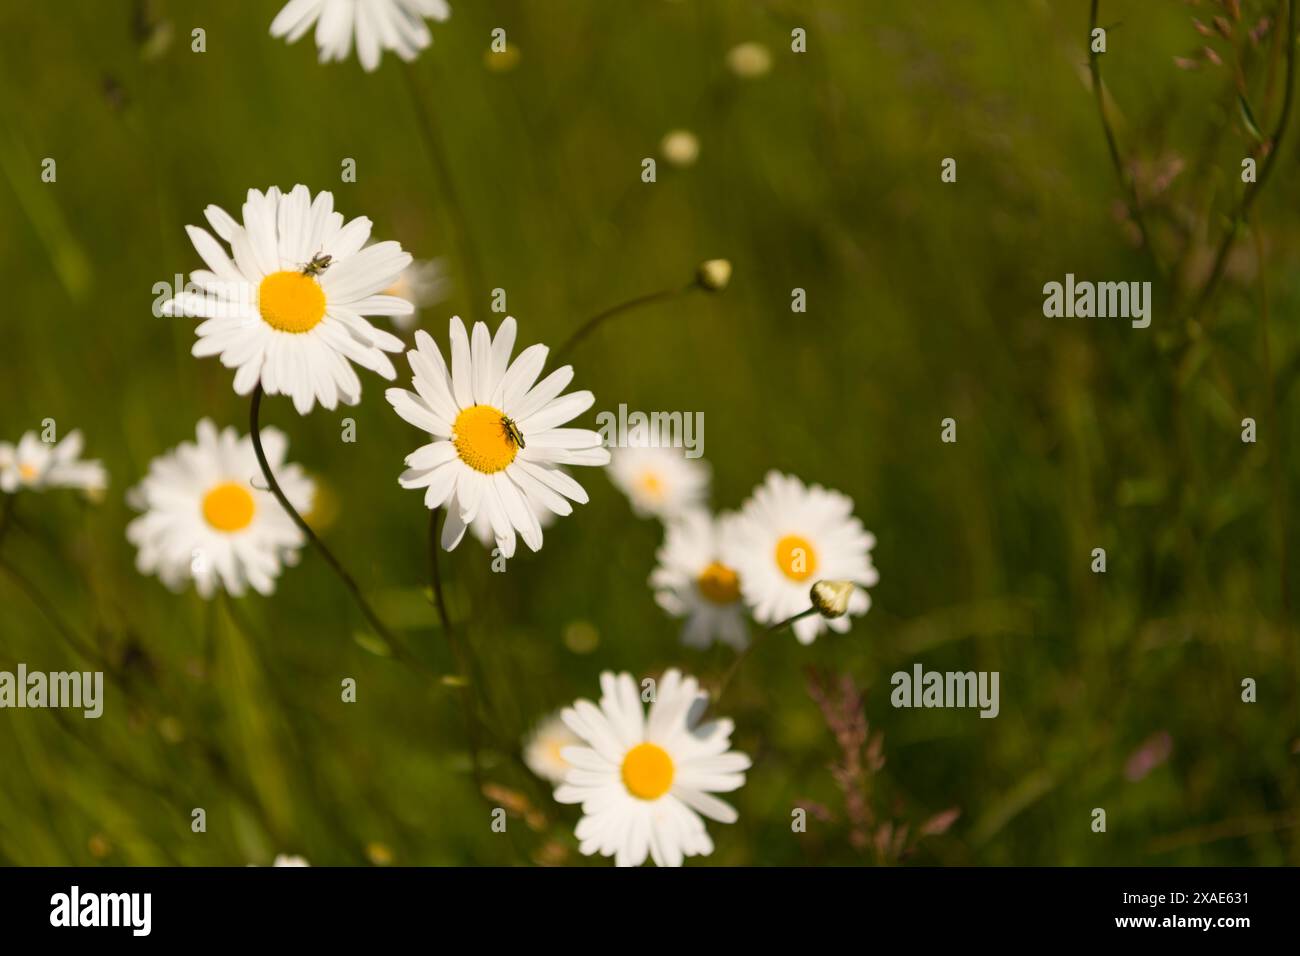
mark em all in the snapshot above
pixel 652 298
pixel 744 655
pixel 435 572
pixel 394 646
pixel 471 677
pixel 1252 190
pixel 461 653
pixel 1126 176
pixel 470 264
pixel 790 620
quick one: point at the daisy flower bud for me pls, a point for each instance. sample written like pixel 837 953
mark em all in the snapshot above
pixel 831 598
pixel 714 275
pixel 680 147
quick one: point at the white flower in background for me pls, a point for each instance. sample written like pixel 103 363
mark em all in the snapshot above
pixel 680 147
pixel 423 283
pixel 288 310
pixel 204 520
pixel 644 780
pixel 497 437
pixel 544 746
pixel 691 581
pixel 786 538
pixel 394 25
pixel 660 482
pixel 37 465
pixel 285 859
pixel 749 59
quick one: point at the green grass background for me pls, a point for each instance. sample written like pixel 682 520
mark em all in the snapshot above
pixel 924 301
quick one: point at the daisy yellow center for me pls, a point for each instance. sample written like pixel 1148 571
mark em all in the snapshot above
pixel 796 557
pixel 553 749
pixel 648 771
pixel 651 484
pixel 228 507
pixel 719 584
pixel 482 439
pixel 27 472
pixel 291 301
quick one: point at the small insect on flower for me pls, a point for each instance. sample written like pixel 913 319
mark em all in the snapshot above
pixel 319 263
pixel 475 465
pixel 275 315
pixel 512 431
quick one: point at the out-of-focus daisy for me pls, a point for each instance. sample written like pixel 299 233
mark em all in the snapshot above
pixel 749 59
pixel 644 780
pixel 680 147
pixel 691 581
pixel 423 283
pixel 37 465
pixel 288 310
pixel 786 538
pixel 497 440
pixel 394 25
pixel 205 521
pixel 660 482
pixel 325 504
pixel 285 859
pixel 544 746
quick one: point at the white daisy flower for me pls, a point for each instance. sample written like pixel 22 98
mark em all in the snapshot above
pixel 481 526
pixel 544 746
pixel 660 482
pixel 204 519
pixel 691 581
pixel 644 780
pixel 37 465
pixel 786 538
pixel 287 311
pixel 497 435
pixel 423 283
pixel 394 25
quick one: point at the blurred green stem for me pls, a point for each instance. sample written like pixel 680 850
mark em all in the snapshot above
pixel 744 655
pixel 1252 190
pixel 48 610
pixel 652 298
pixel 394 646
pixel 1126 177
pixel 470 267
pixel 42 603
pixel 468 680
